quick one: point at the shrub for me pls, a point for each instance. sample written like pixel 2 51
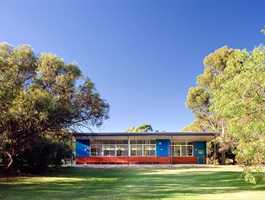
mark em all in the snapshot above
pixel 253 175
pixel 42 155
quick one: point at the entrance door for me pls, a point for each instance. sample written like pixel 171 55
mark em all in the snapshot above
pixel 162 147
pixel 82 148
pixel 200 157
pixel 200 152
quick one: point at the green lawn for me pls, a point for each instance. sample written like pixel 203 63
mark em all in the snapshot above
pixel 107 184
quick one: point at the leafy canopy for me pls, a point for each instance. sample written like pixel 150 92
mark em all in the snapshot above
pixel 42 95
pixel 230 98
pixel 219 67
pixel 241 102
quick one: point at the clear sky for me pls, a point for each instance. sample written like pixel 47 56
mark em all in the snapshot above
pixel 143 55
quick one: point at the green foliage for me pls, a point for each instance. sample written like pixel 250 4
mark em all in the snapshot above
pixel 198 125
pixel 241 103
pixel 140 129
pixel 42 94
pixel 219 66
pixel 42 154
pixel 230 98
pixel 199 98
pixel 253 176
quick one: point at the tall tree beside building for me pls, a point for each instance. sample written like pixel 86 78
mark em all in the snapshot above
pixel 229 98
pixel 241 102
pixel 200 97
pixel 41 95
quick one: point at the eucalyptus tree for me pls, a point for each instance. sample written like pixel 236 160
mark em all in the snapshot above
pixel 241 102
pixel 41 95
pixel 219 67
pixel 230 98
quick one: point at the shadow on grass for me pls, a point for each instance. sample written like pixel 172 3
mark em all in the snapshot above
pixel 80 184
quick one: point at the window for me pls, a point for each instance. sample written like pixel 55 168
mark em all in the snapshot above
pixel 190 150
pixel 122 150
pixel 176 150
pixel 96 149
pixel 181 149
pixel 184 150
pixel 149 150
pixel 109 148
pixel 136 150
pixel 143 147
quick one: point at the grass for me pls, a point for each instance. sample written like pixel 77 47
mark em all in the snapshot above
pixel 127 183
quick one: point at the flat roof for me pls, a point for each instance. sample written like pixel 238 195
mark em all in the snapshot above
pixel 148 134
pixel 181 136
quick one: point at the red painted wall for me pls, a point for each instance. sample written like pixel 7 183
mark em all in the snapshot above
pixel 136 160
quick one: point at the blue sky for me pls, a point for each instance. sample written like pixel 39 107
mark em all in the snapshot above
pixel 143 55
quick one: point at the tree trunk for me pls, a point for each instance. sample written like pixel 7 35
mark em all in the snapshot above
pixel 10 159
pixel 223 158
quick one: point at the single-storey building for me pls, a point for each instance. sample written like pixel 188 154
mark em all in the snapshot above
pixel 142 148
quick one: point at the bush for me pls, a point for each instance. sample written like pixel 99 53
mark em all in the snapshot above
pixel 42 155
pixel 253 175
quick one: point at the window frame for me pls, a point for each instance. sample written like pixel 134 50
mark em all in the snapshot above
pixel 143 146
pixel 181 146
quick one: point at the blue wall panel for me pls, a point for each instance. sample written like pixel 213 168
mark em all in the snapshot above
pixel 200 152
pixel 162 147
pixel 82 148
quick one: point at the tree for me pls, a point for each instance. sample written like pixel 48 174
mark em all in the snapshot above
pixel 140 129
pixel 200 97
pixel 241 102
pixel 198 125
pixel 42 154
pixel 42 96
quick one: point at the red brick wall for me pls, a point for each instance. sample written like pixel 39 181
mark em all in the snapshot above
pixel 135 160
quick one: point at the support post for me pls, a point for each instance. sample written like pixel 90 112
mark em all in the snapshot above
pixel 129 146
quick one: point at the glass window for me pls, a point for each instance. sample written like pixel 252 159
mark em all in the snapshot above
pixel 149 150
pixel 136 149
pixel 109 149
pixel 143 147
pixel 181 149
pixel 176 150
pixel 96 150
pixel 190 150
pixel 122 150
pixel 184 150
